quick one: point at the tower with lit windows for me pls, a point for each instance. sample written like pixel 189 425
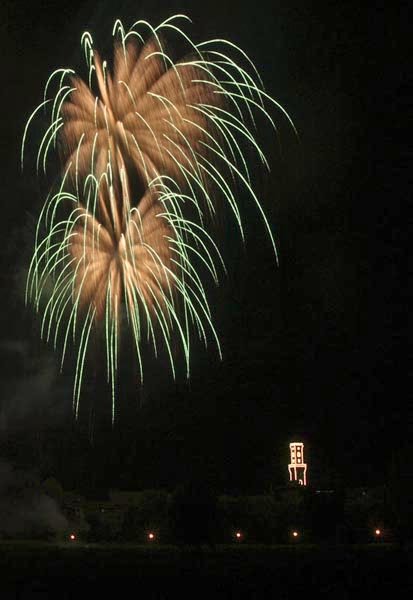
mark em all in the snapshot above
pixel 297 467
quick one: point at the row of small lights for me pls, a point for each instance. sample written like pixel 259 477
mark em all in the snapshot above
pixel 151 537
pixel 296 534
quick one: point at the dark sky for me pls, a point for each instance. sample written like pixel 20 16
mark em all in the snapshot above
pixel 313 348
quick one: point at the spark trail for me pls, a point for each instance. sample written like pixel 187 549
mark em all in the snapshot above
pixel 152 151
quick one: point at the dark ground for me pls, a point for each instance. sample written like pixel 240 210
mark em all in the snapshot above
pixel 35 570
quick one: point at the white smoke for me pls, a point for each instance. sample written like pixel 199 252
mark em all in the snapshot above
pixel 25 510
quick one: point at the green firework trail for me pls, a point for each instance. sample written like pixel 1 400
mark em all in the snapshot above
pixel 152 151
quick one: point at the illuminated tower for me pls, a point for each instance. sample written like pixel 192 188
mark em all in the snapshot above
pixel 297 467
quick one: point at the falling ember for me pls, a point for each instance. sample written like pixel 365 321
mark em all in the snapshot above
pixel 152 150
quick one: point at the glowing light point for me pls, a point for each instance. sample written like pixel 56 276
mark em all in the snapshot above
pixel 297 467
pixel 377 532
pixel 151 536
pixel 238 536
pixel 295 534
pixel 72 537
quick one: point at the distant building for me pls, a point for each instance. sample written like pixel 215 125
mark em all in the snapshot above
pixel 297 467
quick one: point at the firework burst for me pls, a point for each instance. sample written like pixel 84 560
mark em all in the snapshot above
pixel 151 150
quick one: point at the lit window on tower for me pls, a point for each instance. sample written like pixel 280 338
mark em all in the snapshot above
pixel 297 467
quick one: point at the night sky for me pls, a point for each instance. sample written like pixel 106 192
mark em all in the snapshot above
pixel 314 347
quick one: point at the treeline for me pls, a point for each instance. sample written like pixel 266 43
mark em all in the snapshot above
pixel 193 514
